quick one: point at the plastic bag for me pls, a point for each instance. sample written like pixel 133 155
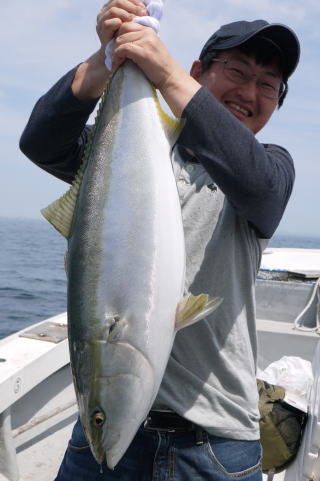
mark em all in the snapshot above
pixel 294 374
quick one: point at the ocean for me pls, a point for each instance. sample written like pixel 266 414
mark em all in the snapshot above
pixel 32 277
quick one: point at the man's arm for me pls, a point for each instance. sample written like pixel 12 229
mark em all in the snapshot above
pixel 55 136
pixel 257 179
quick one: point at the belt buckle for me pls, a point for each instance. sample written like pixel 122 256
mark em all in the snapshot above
pixel 154 428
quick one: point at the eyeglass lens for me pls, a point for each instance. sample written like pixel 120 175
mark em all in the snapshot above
pixel 268 85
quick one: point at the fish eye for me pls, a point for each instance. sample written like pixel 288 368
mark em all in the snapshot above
pixel 99 419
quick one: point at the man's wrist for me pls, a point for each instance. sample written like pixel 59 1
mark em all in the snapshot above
pixel 178 90
pixel 91 77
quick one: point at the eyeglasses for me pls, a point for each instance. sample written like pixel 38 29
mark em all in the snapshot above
pixel 240 73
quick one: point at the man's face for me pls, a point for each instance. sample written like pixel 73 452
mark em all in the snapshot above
pixel 245 101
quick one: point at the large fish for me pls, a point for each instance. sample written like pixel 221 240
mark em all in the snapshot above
pixel 125 264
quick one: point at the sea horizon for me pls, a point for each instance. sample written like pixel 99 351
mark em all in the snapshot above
pixel 282 233
pixel 33 283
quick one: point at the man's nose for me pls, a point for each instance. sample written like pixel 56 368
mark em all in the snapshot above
pixel 249 90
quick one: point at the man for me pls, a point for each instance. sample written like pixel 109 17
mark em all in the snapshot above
pixel 233 190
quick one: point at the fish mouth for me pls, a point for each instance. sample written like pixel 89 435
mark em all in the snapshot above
pixel 110 428
pixel 99 454
pixel 112 461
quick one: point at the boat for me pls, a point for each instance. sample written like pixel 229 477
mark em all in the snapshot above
pixel 37 401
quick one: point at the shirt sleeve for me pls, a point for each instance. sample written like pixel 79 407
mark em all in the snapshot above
pixel 56 133
pixel 256 178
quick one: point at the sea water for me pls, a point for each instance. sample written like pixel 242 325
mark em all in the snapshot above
pixel 33 282
pixel 32 277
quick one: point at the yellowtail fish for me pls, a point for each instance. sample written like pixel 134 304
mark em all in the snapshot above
pixel 125 264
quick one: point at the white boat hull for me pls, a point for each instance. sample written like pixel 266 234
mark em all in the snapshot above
pixel 37 401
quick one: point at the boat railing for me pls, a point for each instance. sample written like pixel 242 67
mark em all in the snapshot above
pixel 27 359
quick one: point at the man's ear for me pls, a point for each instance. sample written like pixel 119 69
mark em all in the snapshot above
pixel 195 71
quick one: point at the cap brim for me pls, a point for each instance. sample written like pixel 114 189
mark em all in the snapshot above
pixel 281 35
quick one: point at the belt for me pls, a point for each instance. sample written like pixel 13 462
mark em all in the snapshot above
pixel 173 423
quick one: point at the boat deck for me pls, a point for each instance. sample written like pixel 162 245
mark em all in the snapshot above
pixel 40 451
pixel 37 401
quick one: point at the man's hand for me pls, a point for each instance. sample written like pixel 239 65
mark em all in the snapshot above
pixel 113 14
pixel 92 75
pixel 143 46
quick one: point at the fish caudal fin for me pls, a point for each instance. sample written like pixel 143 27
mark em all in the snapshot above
pixel 192 309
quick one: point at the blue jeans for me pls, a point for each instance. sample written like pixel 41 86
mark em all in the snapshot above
pixel 161 456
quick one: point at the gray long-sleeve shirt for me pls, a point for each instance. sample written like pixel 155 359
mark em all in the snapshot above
pixel 231 199
pixel 257 178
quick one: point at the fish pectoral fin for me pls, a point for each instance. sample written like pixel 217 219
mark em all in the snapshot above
pixel 192 309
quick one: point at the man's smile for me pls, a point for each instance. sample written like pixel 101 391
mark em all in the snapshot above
pixel 238 108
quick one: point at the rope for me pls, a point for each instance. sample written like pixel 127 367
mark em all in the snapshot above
pixel 298 324
pixel 271 474
pixel 155 9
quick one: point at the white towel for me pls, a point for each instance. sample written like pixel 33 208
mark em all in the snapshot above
pixel 155 9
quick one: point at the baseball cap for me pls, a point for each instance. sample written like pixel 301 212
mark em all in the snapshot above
pixel 236 33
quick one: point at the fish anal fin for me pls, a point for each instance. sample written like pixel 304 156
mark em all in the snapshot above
pixel 59 216
pixel 60 212
pixel 192 309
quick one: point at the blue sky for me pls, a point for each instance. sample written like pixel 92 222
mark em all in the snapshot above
pixel 42 40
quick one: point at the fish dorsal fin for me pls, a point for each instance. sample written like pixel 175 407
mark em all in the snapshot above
pixel 192 309
pixel 60 212
pixel 171 125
